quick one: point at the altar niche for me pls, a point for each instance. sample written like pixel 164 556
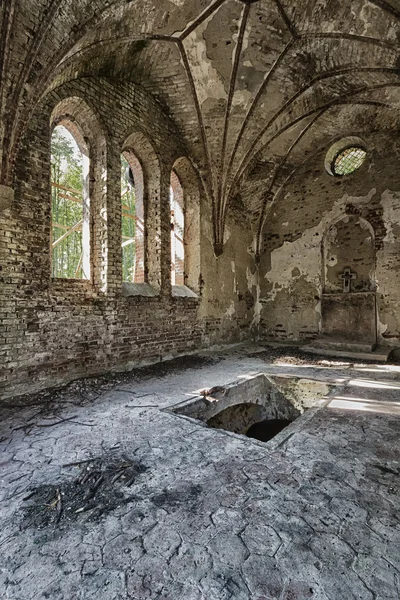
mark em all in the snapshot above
pixel 348 307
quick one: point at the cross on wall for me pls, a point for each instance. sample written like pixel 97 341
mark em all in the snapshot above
pixel 347 277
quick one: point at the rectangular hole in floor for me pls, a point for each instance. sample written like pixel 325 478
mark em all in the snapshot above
pixel 259 407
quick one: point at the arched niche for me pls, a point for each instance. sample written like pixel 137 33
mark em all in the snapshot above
pixel 349 244
pixel 79 119
pixel 185 183
pixel 146 170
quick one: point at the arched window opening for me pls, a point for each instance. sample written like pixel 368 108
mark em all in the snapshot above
pixel 132 219
pixel 70 244
pixel 177 231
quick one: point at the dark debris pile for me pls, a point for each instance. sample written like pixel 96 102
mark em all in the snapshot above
pixel 100 487
pixel 83 392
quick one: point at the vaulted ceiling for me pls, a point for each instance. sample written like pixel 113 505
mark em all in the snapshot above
pixel 251 85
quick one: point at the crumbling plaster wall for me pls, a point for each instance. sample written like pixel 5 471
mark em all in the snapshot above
pixel 291 281
pixel 53 331
pixel 349 241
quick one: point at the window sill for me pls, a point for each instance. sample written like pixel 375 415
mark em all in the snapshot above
pixel 138 289
pixel 71 282
pixel 182 291
pixel 73 279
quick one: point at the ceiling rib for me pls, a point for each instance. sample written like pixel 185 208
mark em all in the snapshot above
pixel 285 17
pixel 318 151
pixel 386 7
pixel 201 123
pixel 200 19
pixel 251 110
pixel 328 75
pixel 238 51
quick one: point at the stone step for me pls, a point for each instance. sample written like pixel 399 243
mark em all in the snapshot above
pixel 356 352
pixel 325 343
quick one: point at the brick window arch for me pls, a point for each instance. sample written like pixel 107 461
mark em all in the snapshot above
pixel 78 118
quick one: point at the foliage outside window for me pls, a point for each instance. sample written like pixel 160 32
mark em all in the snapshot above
pixel 67 200
pixel 177 232
pixel 128 207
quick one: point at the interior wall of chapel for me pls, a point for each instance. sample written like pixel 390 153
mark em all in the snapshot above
pixel 291 266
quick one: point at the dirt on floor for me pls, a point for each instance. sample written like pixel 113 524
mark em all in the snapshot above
pixel 100 486
pixel 86 391
pixel 293 355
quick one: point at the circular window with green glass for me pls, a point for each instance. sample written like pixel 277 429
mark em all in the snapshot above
pixel 348 160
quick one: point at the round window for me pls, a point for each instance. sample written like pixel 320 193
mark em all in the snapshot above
pixel 348 160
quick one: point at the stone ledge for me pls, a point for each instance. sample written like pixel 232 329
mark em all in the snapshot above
pixel 182 291
pixel 6 197
pixel 138 289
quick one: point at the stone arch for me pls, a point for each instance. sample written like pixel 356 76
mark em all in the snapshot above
pixel 184 173
pixel 349 242
pixel 146 170
pixel 79 119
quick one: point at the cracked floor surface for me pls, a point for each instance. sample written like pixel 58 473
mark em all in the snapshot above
pixel 211 515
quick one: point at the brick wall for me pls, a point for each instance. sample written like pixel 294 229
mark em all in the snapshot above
pixel 55 330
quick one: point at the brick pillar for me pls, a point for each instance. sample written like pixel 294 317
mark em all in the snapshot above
pixel 99 216
pixel 159 232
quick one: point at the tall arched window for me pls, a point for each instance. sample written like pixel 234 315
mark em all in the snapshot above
pixel 177 231
pixel 132 219
pixel 70 210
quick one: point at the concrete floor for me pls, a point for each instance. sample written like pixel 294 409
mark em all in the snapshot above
pixel 211 516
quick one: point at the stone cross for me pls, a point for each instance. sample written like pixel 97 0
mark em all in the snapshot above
pixel 347 276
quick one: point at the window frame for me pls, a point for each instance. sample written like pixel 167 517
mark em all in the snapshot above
pixel 341 151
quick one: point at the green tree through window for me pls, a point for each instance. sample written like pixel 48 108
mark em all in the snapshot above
pixel 128 223
pixel 66 205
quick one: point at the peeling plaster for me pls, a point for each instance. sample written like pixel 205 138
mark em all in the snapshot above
pixel 381 327
pixel 390 202
pixel 235 281
pixel 231 310
pixel 387 256
pixel 253 283
pixel 227 234
pixel 305 252
pixel 208 81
